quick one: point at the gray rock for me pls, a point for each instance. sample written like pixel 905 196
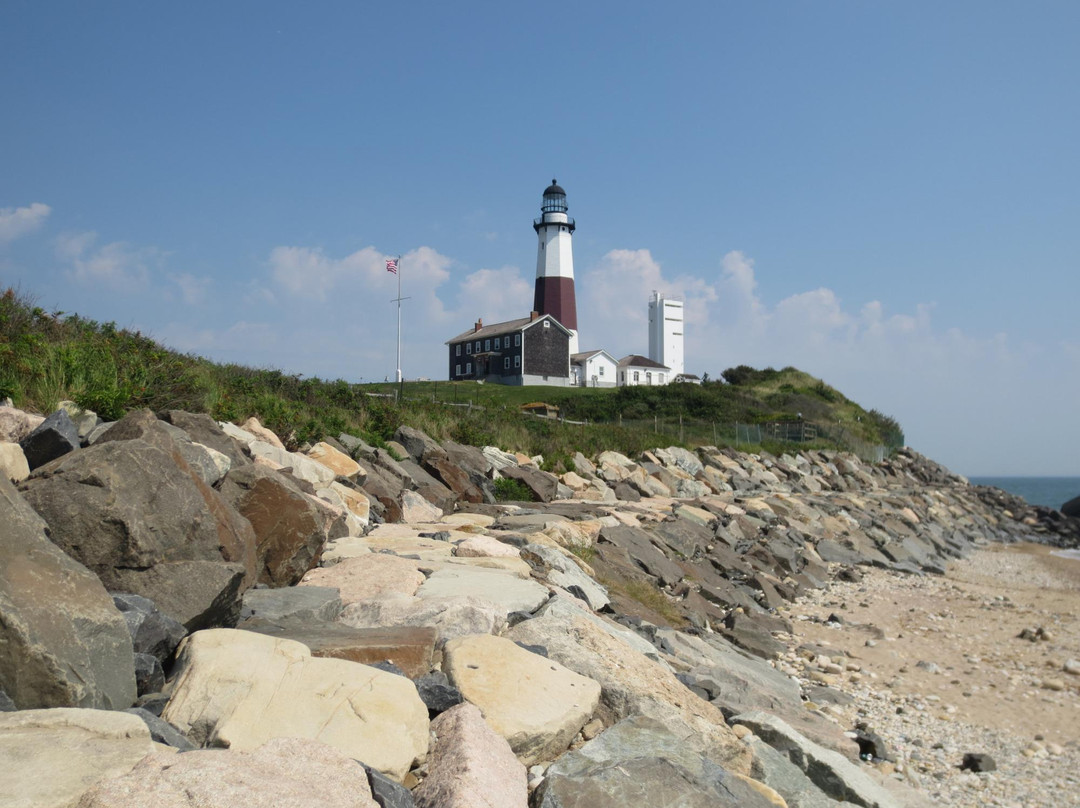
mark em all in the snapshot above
pixel 639 762
pixel 151 631
pixel 356 447
pixel 305 603
pixel 417 443
pixel 6 704
pixel 437 693
pixel 149 675
pixel 64 643
pixel 203 429
pixel 544 486
pixel 161 730
pixel 561 571
pixel 386 792
pixel 978 762
pixel 55 437
pixel 776 770
pixel 830 771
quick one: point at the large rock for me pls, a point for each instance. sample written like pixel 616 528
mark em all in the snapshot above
pixel 409 648
pixel 290 528
pixel 415 509
pixel 450 616
pixel 368 576
pixel 1072 507
pixel 254 427
pixel 338 462
pixel 830 771
pixel 536 704
pixel 544 486
pixel 208 465
pixel 152 632
pixel 417 443
pixel 240 689
pixel 53 438
pixel 283 773
pixel 62 641
pixel 640 762
pixel 49 758
pixel 505 590
pixel 300 466
pixel 16 424
pixel 315 604
pixel 632 683
pixel 13 465
pixel 562 571
pixel 203 429
pixel 138 517
pixel 470 765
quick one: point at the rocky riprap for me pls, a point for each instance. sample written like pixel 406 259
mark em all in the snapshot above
pixel 290 615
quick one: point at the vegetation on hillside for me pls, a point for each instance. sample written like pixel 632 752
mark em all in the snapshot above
pixel 47 357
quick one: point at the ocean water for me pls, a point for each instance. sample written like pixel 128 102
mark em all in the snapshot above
pixel 1053 492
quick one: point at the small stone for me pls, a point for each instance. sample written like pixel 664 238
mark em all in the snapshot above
pixel 978 762
pixel 1053 684
pixel 741 731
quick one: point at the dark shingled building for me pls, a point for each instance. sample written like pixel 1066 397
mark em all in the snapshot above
pixel 532 350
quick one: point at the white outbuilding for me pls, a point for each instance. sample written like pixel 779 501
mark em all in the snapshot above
pixel 594 369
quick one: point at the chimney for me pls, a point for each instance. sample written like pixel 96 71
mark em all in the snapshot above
pixel 533 315
pixel 479 324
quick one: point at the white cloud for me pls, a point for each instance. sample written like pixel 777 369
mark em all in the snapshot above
pixel 117 265
pixel 192 289
pixel 494 295
pixel 16 222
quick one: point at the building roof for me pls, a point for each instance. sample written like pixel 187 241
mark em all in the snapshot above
pixel 498 329
pixel 634 360
pixel 586 355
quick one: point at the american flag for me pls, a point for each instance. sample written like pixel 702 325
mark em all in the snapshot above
pixel 391 265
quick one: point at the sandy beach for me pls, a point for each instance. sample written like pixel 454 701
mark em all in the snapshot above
pixel 982 659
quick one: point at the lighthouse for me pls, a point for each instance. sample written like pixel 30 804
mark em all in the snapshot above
pixel 555 262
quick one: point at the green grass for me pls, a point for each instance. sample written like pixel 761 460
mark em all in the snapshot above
pixel 47 357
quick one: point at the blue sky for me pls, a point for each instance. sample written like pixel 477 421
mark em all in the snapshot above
pixel 882 194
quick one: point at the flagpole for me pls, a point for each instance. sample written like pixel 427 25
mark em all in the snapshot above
pixel 398 273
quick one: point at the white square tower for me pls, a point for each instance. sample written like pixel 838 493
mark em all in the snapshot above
pixel 666 332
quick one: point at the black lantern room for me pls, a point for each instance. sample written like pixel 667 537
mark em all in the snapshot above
pixel 554 199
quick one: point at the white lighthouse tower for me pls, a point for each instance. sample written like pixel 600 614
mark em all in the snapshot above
pixel 555 263
pixel 666 332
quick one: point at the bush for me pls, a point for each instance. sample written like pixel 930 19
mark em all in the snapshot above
pixel 507 490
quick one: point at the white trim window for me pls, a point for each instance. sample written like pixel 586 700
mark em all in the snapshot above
pixel 517 340
pixel 600 370
pixel 517 361
pixel 457 349
pixel 457 370
pixel 468 348
pixel 506 363
pixel 468 369
pixel 497 342
pixel 487 345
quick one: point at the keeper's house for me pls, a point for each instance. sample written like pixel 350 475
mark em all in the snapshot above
pixel 532 350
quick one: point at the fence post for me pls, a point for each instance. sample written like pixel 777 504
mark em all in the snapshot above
pixel 681 439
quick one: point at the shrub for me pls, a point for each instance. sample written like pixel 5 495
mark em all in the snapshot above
pixel 508 490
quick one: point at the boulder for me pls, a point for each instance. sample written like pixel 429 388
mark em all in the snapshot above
pixel 544 486
pixel 204 430
pixel 485 547
pixel 64 644
pixel 367 576
pixel 152 632
pixel 318 604
pixel 437 693
pixel 300 466
pixel 505 590
pixel 1072 508
pixel 341 464
pixel 51 757
pixel 455 478
pixel 639 761
pixel 16 424
pixel 409 648
pixel 536 704
pixel 290 528
pixel 254 427
pixel 450 616
pixel 52 438
pixel 417 443
pixel 240 689
pixel 284 773
pixel 560 570
pixel 415 509
pixel 830 771
pixel 470 765
pixel 13 465
pixel 632 683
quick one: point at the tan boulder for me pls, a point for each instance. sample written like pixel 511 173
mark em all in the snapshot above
pixel 283 773
pixel 338 462
pixel 470 765
pixel 240 689
pixel 449 616
pixel 50 757
pixel 16 424
pixel 632 683
pixel 13 463
pixel 254 427
pixel 417 510
pixel 536 704
pixel 368 576
pixel 485 547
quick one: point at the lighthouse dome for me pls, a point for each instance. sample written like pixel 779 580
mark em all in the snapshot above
pixel 554 199
pixel 554 188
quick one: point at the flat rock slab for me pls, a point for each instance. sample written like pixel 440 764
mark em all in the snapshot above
pixel 470 765
pixel 484 547
pixel 50 757
pixel 449 616
pixel 310 603
pixel 536 704
pixel 639 762
pixel 368 576
pixel 505 590
pixel 240 689
pixel 408 647
pixel 283 773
